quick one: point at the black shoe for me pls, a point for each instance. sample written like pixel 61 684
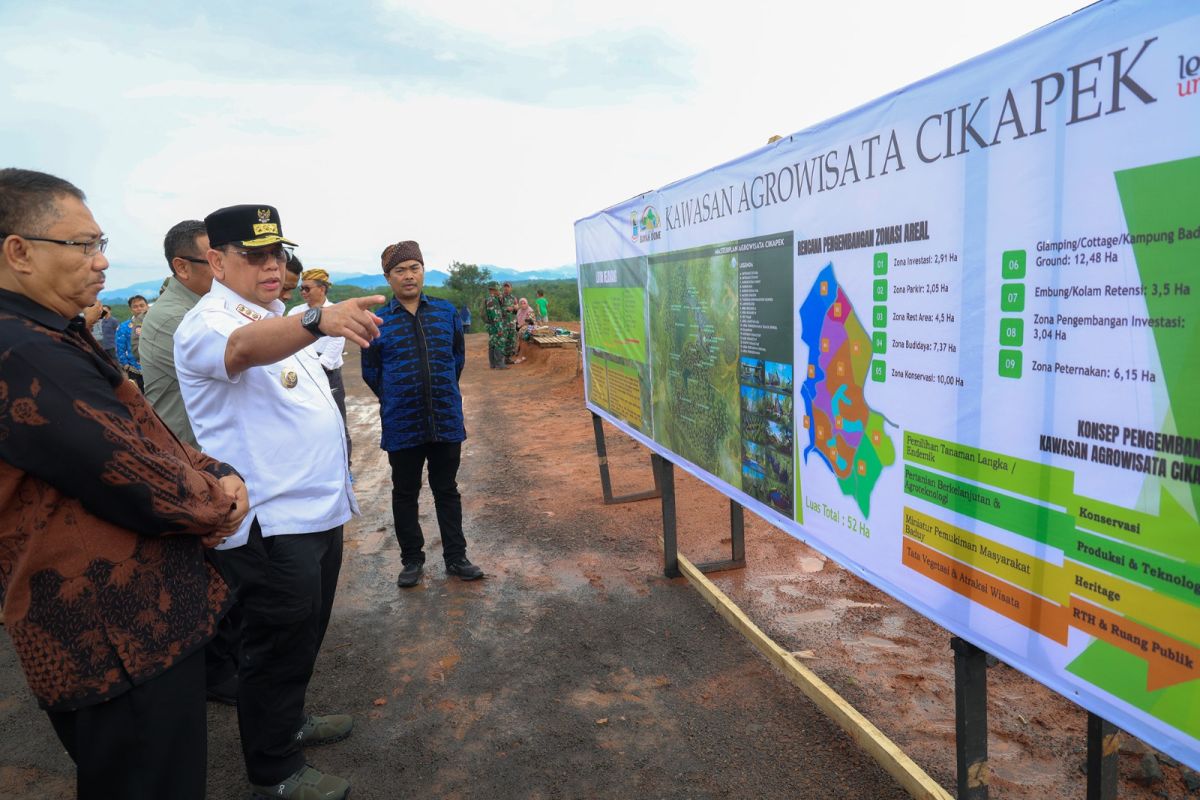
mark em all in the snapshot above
pixel 464 569
pixel 224 692
pixel 410 576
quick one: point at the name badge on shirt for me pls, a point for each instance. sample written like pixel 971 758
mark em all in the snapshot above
pixel 289 379
pixel 248 313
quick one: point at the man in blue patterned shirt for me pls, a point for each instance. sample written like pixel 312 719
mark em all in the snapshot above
pixel 127 340
pixel 413 368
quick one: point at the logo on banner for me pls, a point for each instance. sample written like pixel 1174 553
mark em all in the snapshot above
pixel 646 227
pixel 1189 75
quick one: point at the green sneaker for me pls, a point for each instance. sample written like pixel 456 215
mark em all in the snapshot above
pixel 305 783
pixel 324 730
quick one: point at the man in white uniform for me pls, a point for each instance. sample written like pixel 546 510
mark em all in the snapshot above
pixel 314 288
pixel 241 361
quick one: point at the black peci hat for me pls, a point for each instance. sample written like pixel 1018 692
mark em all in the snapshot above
pixel 249 226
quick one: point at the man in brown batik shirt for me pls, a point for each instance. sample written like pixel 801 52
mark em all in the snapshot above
pixel 104 517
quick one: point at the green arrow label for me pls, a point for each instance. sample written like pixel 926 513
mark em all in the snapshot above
pixel 1172 532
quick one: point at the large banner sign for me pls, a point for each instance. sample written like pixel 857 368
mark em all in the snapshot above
pixel 952 340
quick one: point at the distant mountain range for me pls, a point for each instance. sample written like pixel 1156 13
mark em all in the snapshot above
pixel 565 272
pixel 433 277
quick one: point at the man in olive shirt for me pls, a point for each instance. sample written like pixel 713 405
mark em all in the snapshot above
pixel 185 247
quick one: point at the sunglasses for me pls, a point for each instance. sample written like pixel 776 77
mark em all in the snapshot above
pixel 259 258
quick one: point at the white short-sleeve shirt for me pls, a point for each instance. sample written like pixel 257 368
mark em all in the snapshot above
pixel 327 349
pixel 277 424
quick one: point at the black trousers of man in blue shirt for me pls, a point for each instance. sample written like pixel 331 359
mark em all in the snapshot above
pixel 407 465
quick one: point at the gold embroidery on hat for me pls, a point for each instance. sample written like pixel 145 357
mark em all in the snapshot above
pixel 264 215
pixel 266 227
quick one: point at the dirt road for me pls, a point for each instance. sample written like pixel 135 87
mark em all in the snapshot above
pixel 576 671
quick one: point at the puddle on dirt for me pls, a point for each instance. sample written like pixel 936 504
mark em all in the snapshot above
pixel 873 641
pixel 809 617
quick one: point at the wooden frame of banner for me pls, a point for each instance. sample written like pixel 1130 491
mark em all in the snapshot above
pixel 970 667
pixel 894 761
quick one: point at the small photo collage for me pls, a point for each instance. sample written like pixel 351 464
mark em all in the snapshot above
pixel 768 432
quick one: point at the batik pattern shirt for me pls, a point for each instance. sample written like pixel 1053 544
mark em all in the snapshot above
pixel 413 368
pixel 102 573
pixel 126 334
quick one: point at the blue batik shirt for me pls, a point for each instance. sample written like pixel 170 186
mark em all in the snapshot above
pixel 413 368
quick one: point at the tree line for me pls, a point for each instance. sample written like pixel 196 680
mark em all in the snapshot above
pixel 467 285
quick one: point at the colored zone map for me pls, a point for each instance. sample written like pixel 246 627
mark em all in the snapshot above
pixel 842 429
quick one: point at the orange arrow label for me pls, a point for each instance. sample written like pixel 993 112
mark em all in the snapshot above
pixel 1169 660
pixel 1048 619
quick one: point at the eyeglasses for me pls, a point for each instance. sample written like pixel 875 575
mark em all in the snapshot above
pixel 309 288
pixel 97 245
pixel 194 260
pixel 258 258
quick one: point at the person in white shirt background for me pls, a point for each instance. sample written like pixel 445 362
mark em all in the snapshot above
pixel 314 290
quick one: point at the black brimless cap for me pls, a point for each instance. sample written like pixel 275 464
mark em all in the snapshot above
pixel 248 225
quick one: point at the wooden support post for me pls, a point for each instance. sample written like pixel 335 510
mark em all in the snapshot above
pixel 1103 752
pixel 970 719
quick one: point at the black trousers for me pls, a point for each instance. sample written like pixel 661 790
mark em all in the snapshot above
pixel 222 651
pixel 338 388
pixel 148 743
pixel 285 586
pixel 407 464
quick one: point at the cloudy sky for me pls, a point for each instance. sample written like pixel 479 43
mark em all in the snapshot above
pixel 484 130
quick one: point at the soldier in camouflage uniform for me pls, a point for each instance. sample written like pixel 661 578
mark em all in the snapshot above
pixel 509 304
pixel 493 310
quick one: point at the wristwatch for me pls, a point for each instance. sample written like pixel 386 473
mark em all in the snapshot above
pixel 312 322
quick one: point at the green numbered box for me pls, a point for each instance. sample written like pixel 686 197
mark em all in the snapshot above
pixel 879 371
pixel 1012 332
pixel 879 342
pixel 880 291
pixel 1013 264
pixel 879 316
pixel 1010 363
pixel 881 262
pixel 1012 297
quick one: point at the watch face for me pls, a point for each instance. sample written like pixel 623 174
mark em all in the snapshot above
pixel 310 316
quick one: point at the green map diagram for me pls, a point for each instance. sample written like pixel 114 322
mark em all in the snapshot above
pixel 694 361
pixel 843 431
